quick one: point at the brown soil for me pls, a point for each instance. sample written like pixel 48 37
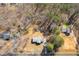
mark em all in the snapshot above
pixel 69 46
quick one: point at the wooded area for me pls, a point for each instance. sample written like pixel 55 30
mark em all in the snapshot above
pixel 49 26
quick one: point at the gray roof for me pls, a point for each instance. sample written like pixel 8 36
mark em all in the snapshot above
pixel 5 35
pixel 66 30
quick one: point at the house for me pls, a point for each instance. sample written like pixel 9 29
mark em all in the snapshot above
pixel 5 35
pixel 37 40
pixel 66 30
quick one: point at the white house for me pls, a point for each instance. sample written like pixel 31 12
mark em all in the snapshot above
pixel 37 39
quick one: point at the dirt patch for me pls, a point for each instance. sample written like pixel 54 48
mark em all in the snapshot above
pixel 69 46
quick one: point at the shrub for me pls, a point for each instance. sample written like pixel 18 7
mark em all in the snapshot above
pixel 50 15
pixel 57 41
pixel 50 47
pixel 56 31
pixel 55 16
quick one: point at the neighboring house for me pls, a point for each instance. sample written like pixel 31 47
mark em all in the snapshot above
pixel 66 29
pixel 5 35
pixel 37 40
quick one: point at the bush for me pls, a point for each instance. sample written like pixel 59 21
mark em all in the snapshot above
pixel 50 15
pixel 50 47
pixel 56 18
pixel 56 31
pixel 57 41
pixel 53 16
